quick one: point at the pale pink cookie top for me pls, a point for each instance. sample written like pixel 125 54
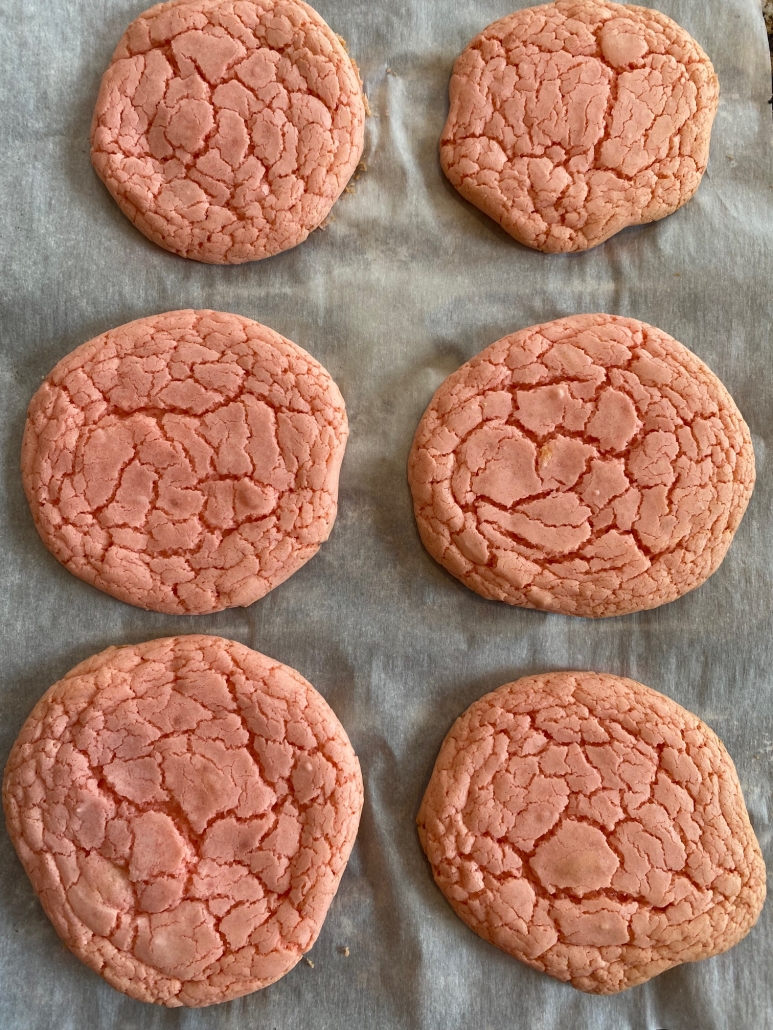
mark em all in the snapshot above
pixel 571 120
pixel 592 828
pixel 227 129
pixel 185 462
pixel 185 809
pixel 590 466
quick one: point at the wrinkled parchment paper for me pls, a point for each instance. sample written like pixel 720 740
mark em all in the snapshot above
pixel 406 283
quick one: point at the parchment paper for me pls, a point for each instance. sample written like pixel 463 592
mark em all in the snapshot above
pixel 406 283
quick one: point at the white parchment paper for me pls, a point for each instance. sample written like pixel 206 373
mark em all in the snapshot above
pixel 406 283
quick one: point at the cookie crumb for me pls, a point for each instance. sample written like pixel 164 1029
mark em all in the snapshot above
pixel 344 950
pixel 309 963
pixel 368 112
pixel 350 189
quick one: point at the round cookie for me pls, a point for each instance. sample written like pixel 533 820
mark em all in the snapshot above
pixel 185 809
pixel 593 829
pixel 590 466
pixel 186 462
pixel 571 120
pixel 226 129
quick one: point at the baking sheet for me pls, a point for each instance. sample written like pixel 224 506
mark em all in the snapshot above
pixel 406 283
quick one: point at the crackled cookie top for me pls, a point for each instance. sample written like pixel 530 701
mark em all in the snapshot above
pixel 572 120
pixel 227 129
pixel 184 809
pixel 186 462
pixel 592 828
pixel 591 466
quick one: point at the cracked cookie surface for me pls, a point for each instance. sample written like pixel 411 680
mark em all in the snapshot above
pixel 572 120
pixel 593 829
pixel 185 809
pixel 226 129
pixel 591 466
pixel 186 462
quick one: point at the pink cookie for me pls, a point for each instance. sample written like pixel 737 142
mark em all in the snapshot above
pixel 572 120
pixel 590 466
pixel 185 809
pixel 186 462
pixel 227 129
pixel 593 829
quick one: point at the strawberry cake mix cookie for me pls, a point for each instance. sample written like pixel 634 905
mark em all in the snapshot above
pixel 590 466
pixel 186 462
pixel 572 120
pixel 185 809
pixel 593 829
pixel 227 129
